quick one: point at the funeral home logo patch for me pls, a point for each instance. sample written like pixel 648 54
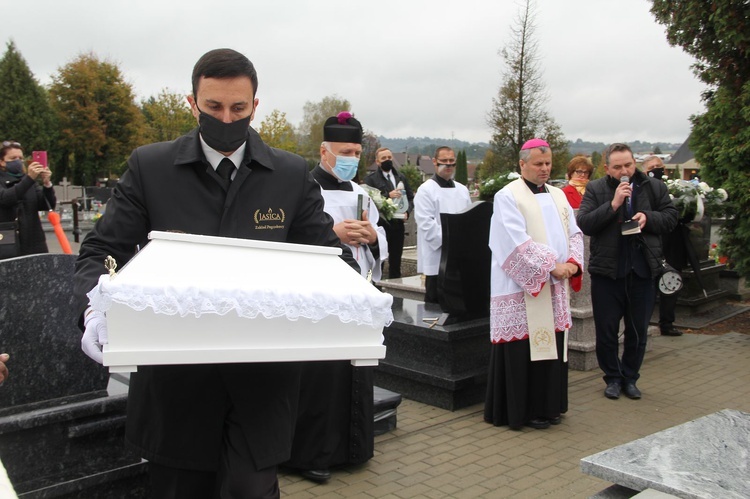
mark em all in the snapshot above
pixel 271 219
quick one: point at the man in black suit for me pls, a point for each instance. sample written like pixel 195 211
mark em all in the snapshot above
pixel 675 252
pixel 208 430
pixel 386 179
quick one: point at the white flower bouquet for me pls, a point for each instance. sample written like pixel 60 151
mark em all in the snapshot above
pixel 489 186
pixel 386 208
pixel 695 199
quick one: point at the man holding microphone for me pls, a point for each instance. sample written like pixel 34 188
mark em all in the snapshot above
pixel 625 213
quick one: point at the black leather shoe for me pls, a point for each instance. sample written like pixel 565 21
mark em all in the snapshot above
pixel 613 390
pixel 538 423
pixel 631 391
pixel 556 420
pixel 319 476
pixel 671 331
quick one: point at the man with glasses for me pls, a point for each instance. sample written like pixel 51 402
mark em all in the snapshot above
pixel 623 265
pixel 440 194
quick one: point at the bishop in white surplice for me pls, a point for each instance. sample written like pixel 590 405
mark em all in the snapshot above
pixel 537 254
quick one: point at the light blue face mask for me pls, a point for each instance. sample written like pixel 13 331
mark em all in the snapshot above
pixel 346 167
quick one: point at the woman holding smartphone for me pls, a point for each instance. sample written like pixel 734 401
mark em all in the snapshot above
pixel 21 200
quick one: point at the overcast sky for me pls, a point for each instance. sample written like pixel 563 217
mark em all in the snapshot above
pixel 408 67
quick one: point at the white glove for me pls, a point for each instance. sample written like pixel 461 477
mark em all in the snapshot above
pixel 94 335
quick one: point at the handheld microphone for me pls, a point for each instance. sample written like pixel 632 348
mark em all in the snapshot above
pixel 626 180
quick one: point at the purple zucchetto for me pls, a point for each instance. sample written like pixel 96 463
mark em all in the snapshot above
pixel 534 143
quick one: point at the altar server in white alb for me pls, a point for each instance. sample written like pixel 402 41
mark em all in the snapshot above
pixel 537 255
pixel 440 194
pixel 335 425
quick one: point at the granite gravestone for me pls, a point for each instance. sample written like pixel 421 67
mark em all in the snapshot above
pixel 706 457
pixel 464 275
pixel 61 434
pixel 439 354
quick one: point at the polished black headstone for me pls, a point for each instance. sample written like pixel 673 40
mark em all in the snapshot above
pixel 464 276
pixel 440 365
pixel 39 330
pixel 61 433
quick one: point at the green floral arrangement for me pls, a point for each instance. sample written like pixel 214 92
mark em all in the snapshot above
pixel 489 186
pixel 695 199
pixel 385 206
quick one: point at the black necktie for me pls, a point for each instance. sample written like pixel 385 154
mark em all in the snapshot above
pixel 225 169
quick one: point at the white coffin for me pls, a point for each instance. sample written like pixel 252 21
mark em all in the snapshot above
pixel 189 299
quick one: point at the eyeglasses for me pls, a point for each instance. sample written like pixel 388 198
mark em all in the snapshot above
pixel 10 143
pixel 449 165
pixel 582 173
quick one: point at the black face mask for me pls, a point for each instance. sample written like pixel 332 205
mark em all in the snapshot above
pixel 387 165
pixel 656 173
pixel 14 167
pixel 220 136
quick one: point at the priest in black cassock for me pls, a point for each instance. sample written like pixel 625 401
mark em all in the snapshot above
pixel 335 424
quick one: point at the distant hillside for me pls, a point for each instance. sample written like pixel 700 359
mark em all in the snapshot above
pixel 583 147
pixel 427 146
pixel 475 151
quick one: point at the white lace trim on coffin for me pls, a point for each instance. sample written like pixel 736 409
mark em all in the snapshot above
pixel 508 320
pixel 271 304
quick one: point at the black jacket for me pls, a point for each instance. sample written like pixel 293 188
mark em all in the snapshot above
pixel 24 198
pixel 378 181
pixel 176 413
pixel 597 219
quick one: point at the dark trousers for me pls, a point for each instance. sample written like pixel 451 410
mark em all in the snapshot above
pixel 630 298
pixel 394 234
pixel 236 478
pixel 667 305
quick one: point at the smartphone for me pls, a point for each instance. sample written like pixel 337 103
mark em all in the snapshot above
pixel 40 157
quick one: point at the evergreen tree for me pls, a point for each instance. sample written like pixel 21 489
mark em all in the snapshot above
pixel 462 171
pixel 25 112
pixel 717 34
pixel 598 161
pixel 518 112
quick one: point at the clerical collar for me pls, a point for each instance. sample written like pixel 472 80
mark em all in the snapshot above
pixel 442 182
pixel 328 182
pixel 535 188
